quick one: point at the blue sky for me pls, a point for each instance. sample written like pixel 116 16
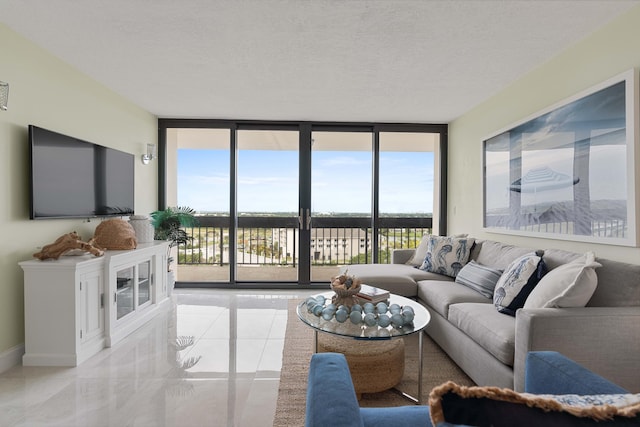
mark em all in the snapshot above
pixel 341 181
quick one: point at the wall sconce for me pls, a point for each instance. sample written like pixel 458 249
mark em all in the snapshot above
pixel 4 95
pixel 150 154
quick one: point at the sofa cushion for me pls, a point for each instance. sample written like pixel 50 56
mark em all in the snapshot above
pixel 618 285
pixel 496 254
pixel 493 331
pixel 496 407
pixel 480 278
pixel 447 255
pixel 554 258
pixel 517 282
pixel 439 295
pixel 569 285
pixel 399 279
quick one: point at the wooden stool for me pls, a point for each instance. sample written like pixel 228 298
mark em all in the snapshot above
pixel 375 365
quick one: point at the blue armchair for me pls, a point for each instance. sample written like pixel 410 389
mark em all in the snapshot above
pixel 331 399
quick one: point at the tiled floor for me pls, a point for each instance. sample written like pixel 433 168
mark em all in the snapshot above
pixel 211 359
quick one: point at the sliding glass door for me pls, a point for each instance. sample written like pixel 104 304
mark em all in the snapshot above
pixel 292 203
pixel 267 206
pixel 201 162
pixel 341 201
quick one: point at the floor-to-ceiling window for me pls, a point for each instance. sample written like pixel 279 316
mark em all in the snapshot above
pixel 341 200
pixel 291 203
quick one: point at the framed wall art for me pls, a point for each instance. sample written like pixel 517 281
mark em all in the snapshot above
pixel 568 172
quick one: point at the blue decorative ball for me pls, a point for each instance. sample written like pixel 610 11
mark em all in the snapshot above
pixel 368 308
pixel 311 305
pixel 321 299
pixel 317 309
pixel 341 315
pixel 397 321
pixel 370 319
pixel 327 313
pixel 408 316
pixel 394 309
pixel 383 320
pixel 382 308
pixel 356 307
pixel 356 317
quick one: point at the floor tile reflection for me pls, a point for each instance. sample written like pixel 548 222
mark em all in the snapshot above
pixel 212 358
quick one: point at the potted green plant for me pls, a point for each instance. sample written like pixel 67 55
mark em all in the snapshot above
pixel 168 225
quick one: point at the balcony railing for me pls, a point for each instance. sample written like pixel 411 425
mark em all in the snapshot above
pixel 275 241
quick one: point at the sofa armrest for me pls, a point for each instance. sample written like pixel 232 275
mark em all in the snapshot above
pixel 401 256
pixel 331 398
pixel 605 340
pixel 549 372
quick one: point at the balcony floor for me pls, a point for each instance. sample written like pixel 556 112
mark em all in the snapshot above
pixel 254 273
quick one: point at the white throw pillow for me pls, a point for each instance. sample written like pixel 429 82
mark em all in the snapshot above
pixel 569 285
pixel 421 252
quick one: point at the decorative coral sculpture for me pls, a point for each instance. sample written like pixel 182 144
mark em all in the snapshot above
pixel 65 243
pixel 346 287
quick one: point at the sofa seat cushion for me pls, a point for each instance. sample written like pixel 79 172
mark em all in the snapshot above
pixel 439 295
pixel 399 279
pixel 496 254
pixel 494 331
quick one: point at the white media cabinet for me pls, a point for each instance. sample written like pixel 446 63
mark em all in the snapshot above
pixel 77 305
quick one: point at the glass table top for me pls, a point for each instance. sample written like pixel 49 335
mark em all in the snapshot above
pixel 361 330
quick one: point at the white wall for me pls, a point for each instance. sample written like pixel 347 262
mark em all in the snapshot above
pixel 49 93
pixel 605 54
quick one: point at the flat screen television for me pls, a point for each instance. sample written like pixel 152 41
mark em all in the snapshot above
pixel 72 178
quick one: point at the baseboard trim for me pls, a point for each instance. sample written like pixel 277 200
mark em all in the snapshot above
pixel 11 357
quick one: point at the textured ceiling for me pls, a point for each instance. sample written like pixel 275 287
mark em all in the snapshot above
pixel 329 60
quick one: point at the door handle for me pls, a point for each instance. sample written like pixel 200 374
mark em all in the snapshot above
pixel 308 220
pixel 301 220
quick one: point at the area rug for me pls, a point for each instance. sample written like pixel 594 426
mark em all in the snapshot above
pixel 298 348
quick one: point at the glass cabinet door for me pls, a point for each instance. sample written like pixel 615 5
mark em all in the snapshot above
pixel 144 282
pixel 124 292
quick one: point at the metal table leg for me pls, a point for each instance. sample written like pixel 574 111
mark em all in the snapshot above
pixel 417 400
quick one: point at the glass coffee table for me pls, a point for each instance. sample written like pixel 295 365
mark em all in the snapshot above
pixel 372 337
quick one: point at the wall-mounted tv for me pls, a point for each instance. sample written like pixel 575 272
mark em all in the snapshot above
pixel 72 178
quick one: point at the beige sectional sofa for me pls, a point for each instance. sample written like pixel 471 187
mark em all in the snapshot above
pixel 491 347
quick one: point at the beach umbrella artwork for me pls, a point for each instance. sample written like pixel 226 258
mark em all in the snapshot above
pixel 542 179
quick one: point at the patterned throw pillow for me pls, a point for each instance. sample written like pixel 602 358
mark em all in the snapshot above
pixel 479 277
pixel 517 282
pixel 421 251
pixel 447 255
pixel 493 406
